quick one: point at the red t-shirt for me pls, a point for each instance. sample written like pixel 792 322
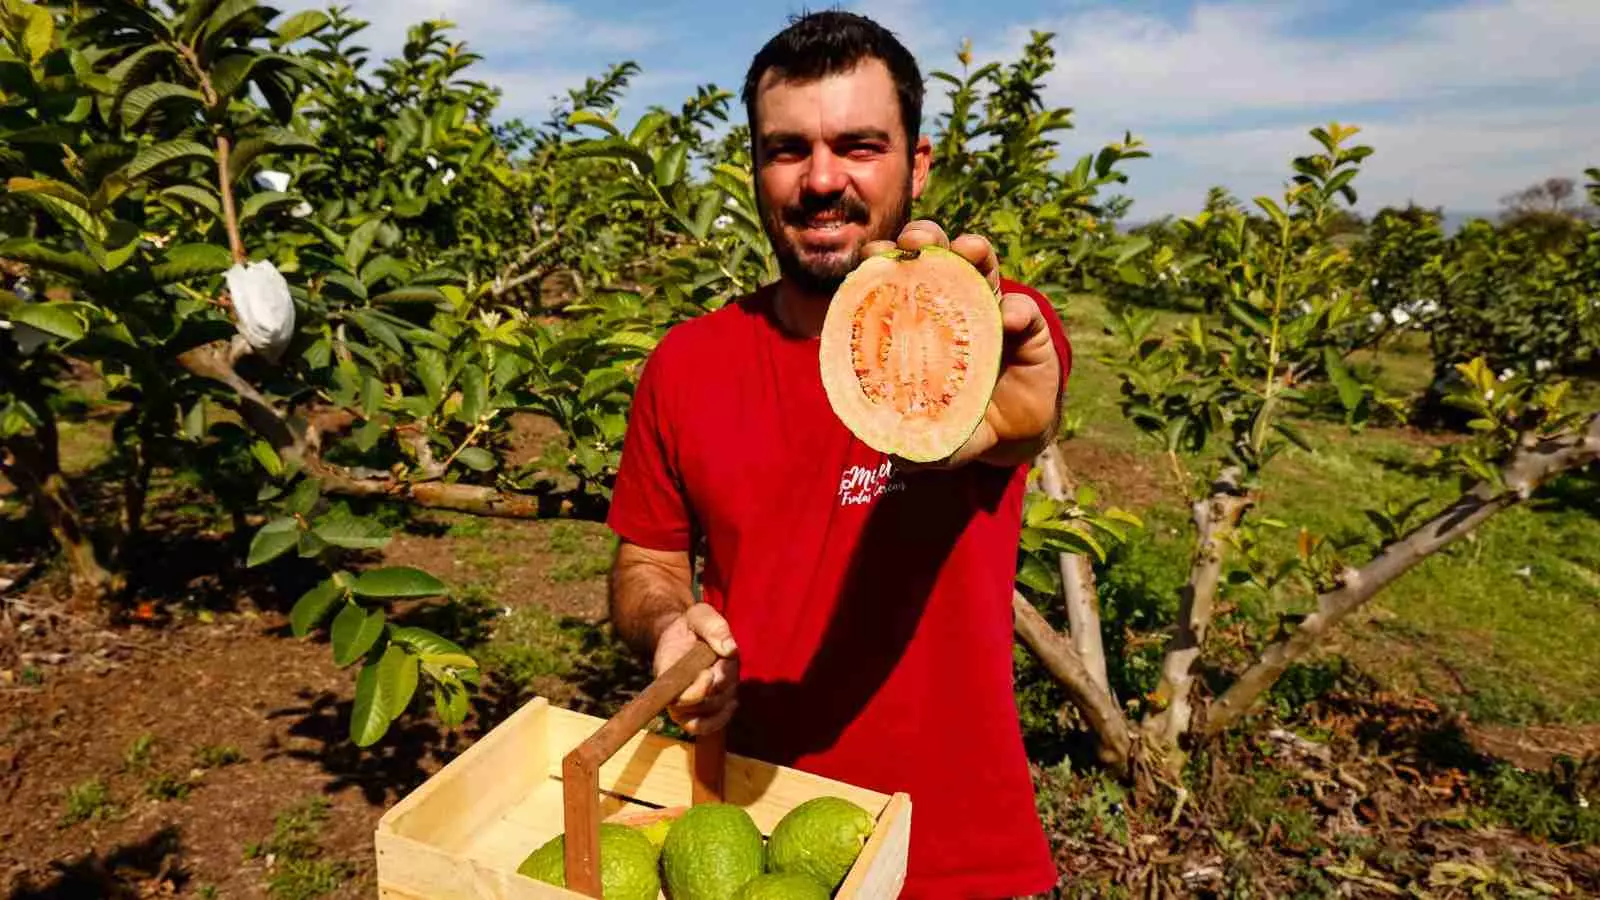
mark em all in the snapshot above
pixel 872 608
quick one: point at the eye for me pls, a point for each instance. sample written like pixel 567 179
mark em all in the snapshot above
pixel 785 151
pixel 865 149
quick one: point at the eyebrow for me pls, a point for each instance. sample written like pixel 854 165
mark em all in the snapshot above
pixel 858 134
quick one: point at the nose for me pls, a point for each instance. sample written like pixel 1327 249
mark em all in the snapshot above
pixel 826 173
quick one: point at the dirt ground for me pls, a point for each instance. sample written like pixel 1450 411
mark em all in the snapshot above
pixel 204 728
pixel 199 750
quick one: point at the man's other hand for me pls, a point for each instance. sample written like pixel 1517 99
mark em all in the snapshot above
pixel 1023 410
pixel 707 704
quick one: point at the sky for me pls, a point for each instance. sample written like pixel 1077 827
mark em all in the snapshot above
pixel 1464 102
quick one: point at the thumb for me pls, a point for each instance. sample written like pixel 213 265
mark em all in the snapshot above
pixel 712 628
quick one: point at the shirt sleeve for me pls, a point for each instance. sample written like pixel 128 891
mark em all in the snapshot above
pixel 648 504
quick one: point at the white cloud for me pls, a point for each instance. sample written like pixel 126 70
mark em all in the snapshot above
pixel 497 28
pixel 1228 58
pixel 1463 160
pixel 1226 94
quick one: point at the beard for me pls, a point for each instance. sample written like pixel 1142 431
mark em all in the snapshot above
pixel 822 272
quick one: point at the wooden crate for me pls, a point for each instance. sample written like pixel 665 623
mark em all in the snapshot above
pixel 462 833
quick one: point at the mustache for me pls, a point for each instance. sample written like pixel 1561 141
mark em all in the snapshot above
pixel 849 208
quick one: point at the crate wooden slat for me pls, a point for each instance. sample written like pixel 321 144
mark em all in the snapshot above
pixel 463 832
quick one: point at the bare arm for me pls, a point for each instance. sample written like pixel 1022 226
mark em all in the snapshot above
pixel 654 612
pixel 649 588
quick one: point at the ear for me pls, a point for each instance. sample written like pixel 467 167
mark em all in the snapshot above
pixel 921 162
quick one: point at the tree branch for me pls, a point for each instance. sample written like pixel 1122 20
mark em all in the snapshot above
pixel 1529 468
pixel 1215 518
pixel 1062 661
pixel 1077 582
pixel 302 443
pixel 230 219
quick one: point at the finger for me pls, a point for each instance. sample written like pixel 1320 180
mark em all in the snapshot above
pixel 706 707
pixel 699 725
pixel 922 233
pixel 697 689
pixel 978 251
pixel 877 248
pixel 1020 316
pixel 711 627
pixel 724 675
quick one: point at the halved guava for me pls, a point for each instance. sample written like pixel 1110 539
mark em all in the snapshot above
pixel 910 352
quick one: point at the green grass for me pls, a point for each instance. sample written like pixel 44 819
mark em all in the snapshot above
pixel 299 871
pixel 1499 625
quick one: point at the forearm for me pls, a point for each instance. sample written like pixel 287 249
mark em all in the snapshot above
pixel 646 595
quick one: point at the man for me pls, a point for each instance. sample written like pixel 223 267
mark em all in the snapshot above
pixel 861 607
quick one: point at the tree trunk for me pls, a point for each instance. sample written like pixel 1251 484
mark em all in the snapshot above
pixel 1215 518
pixel 1528 468
pixel 31 463
pixel 1061 659
pixel 1077 582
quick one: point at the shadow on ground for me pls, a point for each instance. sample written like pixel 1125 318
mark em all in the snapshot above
pixel 137 870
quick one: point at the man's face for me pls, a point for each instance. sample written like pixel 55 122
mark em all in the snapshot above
pixel 832 170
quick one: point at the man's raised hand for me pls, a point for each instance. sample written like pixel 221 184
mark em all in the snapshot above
pixel 1022 413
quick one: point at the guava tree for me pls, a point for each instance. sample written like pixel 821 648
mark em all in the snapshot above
pixel 1215 396
pixel 996 171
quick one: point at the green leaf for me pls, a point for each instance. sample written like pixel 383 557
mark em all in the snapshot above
pixel 354 632
pixel 600 382
pixel 1130 248
pixel 273 540
pixel 267 456
pixel 424 641
pixel 476 458
pixel 228 74
pixel 135 67
pixel 53 318
pixel 397 581
pixel 299 25
pixel 255 204
pixel 360 241
pixel 474 394
pixel 194 421
pixel 64 202
pixel 613 148
pixel 157 155
pixel 227 16
pixel 313 607
pixel 270 140
pixel 669 167
pixel 1293 434
pixel 1350 390
pixel 353 533
pixel 431 372
pixel 305 496
pixel 188 261
pixel 368 721
pixel 413 294
pixel 141 100
pixel 631 339
pixel 1249 316
pixel 450 702
pixel 38 33
pixel 1274 210
pixel 203 197
pixel 397 680
pixel 1037 576
pixel 591 117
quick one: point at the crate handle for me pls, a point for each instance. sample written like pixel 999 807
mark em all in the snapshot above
pixel 580 769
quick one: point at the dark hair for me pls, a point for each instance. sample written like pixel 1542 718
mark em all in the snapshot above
pixel 824 43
